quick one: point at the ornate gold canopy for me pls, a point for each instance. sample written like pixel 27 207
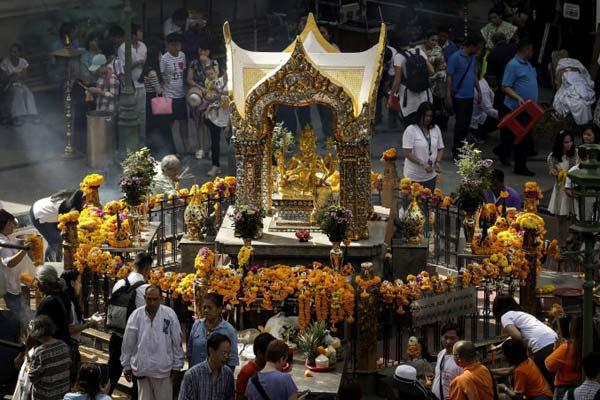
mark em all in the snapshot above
pixel 309 71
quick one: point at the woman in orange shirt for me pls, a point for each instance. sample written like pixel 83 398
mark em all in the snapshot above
pixel 528 380
pixel 566 360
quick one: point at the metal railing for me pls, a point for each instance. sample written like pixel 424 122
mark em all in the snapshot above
pixel 97 287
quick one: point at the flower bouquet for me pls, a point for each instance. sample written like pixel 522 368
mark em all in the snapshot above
pixel 248 221
pixel 138 173
pixel 89 186
pixel 334 221
pixel 389 155
pixel 475 175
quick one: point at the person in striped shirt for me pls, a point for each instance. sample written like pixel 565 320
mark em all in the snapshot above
pixel 172 68
pixel 50 362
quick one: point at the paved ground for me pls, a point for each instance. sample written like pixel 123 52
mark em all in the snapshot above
pixel 31 165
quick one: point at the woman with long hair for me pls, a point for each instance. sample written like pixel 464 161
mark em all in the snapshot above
pixel 422 145
pixel 560 160
pixel 44 216
pixel 520 325
pixel 565 361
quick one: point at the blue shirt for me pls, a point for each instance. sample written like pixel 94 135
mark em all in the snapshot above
pixel 513 199
pixel 277 385
pixel 457 65
pixel 197 349
pixel 520 76
pixel 449 48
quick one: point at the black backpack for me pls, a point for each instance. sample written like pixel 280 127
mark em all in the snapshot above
pixel 417 75
pixel 120 306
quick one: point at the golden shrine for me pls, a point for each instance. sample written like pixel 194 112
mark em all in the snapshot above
pixel 309 71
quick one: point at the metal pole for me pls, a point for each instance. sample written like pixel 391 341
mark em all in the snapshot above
pixel 128 119
pixel 466 16
pixel 588 287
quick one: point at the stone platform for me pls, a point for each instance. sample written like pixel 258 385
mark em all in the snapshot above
pixel 276 247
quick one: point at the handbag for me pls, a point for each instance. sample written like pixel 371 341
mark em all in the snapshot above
pixel 162 105
pixel 394 103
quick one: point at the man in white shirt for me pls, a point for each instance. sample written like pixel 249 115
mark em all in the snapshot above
pixel 152 349
pixel 139 52
pixel 177 23
pixel 141 272
pixel 485 116
pixel 445 368
pixel 14 263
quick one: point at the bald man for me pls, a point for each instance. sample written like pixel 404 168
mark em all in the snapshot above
pixel 475 383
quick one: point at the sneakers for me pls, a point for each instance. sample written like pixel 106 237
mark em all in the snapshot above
pixel 214 171
pixel 199 154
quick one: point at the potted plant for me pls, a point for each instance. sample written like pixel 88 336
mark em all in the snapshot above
pixel 309 340
pixel 138 174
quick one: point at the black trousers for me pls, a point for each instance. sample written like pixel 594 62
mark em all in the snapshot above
pixel 115 369
pixel 506 146
pixel 539 359
pixel 463 110
pixel 215 142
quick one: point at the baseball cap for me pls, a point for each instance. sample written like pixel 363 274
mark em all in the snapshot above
pixel 98 61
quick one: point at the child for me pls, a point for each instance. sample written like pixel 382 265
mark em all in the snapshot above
pixel 217 113
pixel 566 361
pixel 88 384
pixel 590 134
pixel 527 378
pixel 559 161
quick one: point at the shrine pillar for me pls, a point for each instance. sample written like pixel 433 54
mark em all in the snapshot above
pixel 355 184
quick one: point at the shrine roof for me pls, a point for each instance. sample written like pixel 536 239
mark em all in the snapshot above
pixel 357 73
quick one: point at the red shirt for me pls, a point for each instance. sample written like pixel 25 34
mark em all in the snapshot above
pixel 247 372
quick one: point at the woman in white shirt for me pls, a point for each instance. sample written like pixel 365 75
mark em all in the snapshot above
pixel 523 326
pixel 44 216
pixel 422 146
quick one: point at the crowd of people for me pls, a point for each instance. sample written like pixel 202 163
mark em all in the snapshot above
pixel 146 346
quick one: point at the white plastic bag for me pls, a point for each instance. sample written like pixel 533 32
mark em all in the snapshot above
pixel 279 323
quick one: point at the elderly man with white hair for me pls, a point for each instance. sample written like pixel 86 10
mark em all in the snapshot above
pixel 167 175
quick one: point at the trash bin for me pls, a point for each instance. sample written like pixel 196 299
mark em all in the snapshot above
pixel 100 138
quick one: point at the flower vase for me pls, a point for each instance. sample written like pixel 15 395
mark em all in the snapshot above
pixel 468 226
pixel 389 183
pixel 193 217
pixel 413 220
pixel 92 198
pixel 200 291
pixel 336 256
pixel 529 238
pixel 134 225
pixel 530 204
pixel 70 243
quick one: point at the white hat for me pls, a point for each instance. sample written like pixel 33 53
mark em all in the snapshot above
pixel 405 373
